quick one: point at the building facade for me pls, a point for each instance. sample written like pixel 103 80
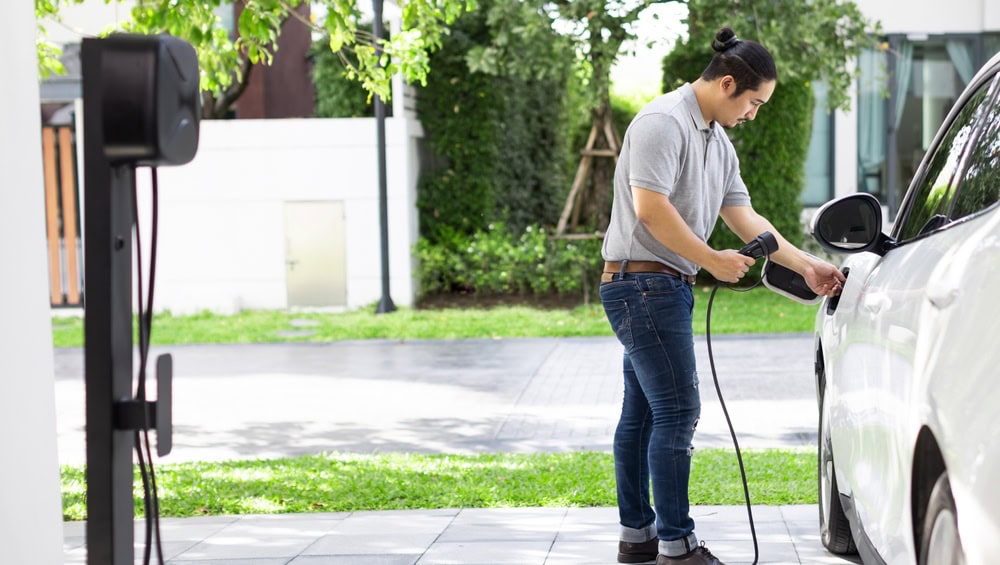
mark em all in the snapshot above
pixel 929 52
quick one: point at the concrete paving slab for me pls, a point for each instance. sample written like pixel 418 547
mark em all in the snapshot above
pixel 786 534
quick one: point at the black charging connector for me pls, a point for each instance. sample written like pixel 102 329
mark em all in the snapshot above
pixel 761 246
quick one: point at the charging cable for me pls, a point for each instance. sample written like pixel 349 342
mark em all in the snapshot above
pixel 762 246
pixel 144 454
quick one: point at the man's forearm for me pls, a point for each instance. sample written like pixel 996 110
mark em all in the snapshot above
pixel 747 224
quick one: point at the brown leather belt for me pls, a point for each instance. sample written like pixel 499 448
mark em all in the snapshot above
pixel 612 268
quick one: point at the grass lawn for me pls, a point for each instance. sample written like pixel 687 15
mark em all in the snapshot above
pixel 758 311
pixel 341 482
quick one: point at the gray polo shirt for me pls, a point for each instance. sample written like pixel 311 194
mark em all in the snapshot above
pixel 669 149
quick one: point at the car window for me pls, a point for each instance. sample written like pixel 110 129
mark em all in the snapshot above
pixel 927 207
pixel 980 187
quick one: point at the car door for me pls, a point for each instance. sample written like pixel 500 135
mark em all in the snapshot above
pixel 879 321
pixel 957 355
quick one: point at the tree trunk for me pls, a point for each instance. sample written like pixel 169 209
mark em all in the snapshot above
pixel 213 108
pixel 594 204
pixel 596 199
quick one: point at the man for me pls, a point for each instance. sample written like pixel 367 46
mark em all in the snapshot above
pixel 677 174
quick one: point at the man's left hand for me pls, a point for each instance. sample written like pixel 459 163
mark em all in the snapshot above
pixel 824 279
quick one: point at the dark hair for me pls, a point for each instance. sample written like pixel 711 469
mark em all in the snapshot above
pixel 746 61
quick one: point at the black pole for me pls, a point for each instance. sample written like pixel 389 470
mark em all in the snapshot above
pixel 385 304
pixel 139 106
pixel 108 210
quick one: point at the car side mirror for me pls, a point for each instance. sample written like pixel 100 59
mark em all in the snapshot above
pixel 852 224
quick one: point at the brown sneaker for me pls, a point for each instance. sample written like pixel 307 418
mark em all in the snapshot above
pixel 700 556
pixel 638 552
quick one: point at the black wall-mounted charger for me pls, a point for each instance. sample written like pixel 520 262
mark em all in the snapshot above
pixel 151 102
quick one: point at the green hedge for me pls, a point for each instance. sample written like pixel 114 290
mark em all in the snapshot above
pixel 458 111
pixel 498 261
pixel 497 144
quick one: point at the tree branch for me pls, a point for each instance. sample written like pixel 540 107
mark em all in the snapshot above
pixel 234 91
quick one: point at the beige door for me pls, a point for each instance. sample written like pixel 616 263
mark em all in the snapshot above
pixel 315 253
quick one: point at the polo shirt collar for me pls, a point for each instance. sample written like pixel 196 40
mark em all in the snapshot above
pixel 691 103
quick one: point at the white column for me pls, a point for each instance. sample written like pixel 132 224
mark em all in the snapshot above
pixel 30 507
pixel 845 149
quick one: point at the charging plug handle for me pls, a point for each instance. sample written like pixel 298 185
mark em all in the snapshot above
pixel 763 244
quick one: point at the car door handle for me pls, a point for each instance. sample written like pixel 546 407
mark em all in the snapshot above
pixel 942 298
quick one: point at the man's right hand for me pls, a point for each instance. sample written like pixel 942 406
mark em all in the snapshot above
pixel 729 265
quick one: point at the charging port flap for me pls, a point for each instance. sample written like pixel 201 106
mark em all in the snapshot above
pixel 788 283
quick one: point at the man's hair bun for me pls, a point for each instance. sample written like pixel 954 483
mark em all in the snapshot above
pixel 725 39
pixel 744 59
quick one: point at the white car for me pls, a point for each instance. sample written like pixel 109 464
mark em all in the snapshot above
pixel 908 356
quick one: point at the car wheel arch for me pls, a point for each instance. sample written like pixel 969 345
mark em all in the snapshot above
pixel 834 525
pixel 928 465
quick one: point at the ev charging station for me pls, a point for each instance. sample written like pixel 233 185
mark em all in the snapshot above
pixel 141 107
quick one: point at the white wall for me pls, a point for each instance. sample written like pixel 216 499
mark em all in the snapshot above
pixel 30 507
pixel 933 16
pixel 845 147
pixel 222 235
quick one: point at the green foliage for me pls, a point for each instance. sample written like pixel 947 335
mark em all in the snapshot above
pixel 337 96
pixel 458 111
pixel 495 261
pixel 500 152
pixel 48 53
pixel 594 28
pixel 424 23
pixel 522 42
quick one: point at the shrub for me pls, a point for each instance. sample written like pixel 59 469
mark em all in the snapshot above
pixel 498 261
pixel 497 144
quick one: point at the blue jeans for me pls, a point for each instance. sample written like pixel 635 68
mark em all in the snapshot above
pixel 651 315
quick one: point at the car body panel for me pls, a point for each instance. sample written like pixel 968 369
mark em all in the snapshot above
pixel 910 350
pixel 893 369
pixel 964 401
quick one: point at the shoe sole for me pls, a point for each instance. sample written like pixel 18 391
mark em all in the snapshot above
pixel 634 558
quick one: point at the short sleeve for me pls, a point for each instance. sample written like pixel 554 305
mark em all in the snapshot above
pixel 656 152
pixel 737 193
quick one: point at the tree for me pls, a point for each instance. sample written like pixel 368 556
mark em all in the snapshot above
pixel 225 62
pixel 597 28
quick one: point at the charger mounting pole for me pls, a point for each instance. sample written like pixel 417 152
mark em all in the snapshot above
pixel 141 107
pixel 108 211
